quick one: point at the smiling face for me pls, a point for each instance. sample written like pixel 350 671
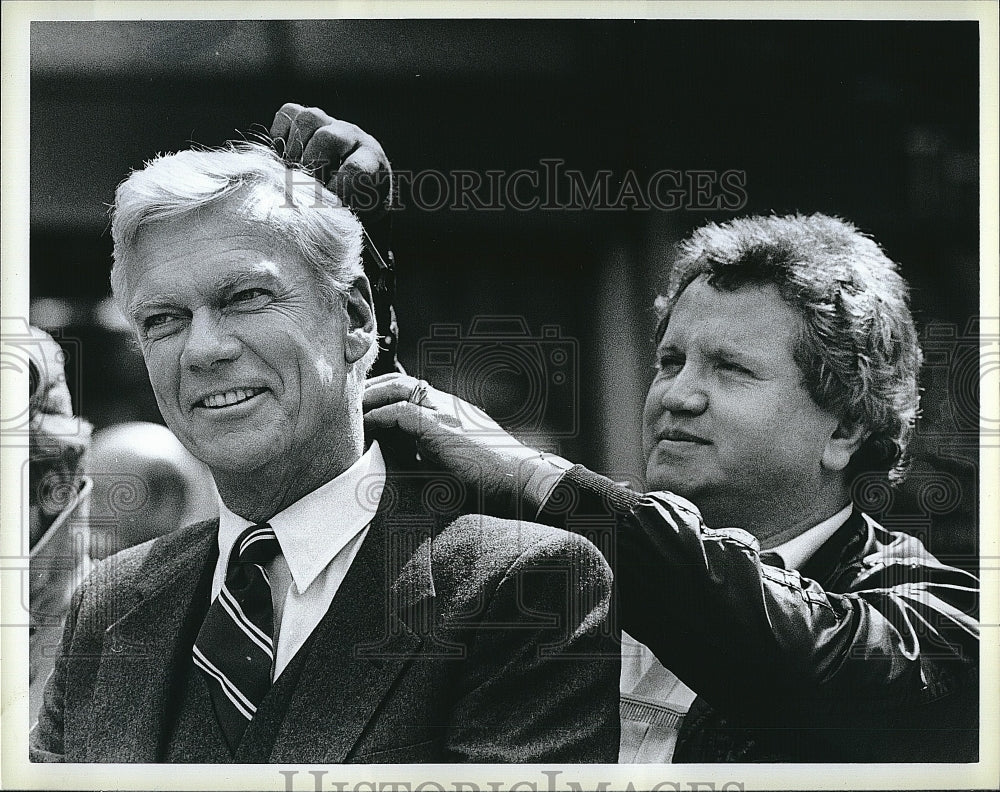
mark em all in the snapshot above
pixel 728 422
pixel 251 366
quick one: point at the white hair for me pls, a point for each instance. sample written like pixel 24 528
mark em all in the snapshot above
pixel 283 199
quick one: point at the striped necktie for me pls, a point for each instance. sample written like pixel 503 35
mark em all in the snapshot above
pixel 235 646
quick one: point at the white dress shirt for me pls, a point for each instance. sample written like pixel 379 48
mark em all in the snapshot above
pixel 319 535
pixel 653 700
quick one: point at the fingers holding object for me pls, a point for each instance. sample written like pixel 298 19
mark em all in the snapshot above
pixel 364 180
pixel 330 142
pixel 351 163
pixel 296 125
pixel 282 122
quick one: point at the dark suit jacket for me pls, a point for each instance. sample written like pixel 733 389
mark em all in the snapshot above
pixel 450 640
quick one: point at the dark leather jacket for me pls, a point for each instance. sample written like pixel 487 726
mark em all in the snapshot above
pixel 868 654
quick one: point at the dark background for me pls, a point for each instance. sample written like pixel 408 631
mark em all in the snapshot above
pixel 876 122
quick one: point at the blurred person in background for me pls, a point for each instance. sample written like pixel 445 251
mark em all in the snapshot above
pixel 58 499
pixel 145 484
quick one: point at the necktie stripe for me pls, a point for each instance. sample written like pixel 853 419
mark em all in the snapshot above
pixel 256 536
pixel 236 611
pixel 235 695
pixel 238 658
pixel 262 639
pixel 235 647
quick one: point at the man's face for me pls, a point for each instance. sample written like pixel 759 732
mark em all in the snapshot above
pixel 728 420
pixel 247 359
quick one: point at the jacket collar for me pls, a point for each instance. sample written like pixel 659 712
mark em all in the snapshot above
pixel 843 549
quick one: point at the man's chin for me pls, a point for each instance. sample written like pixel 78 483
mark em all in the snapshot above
pixel 236 458
pixel 670 479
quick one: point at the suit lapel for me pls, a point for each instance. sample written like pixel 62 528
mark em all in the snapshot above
pixel 374 627
pixel 141 649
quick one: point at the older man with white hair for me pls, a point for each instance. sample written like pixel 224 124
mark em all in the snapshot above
pixel 340 609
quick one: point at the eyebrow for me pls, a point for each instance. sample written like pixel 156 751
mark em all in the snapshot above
pixel 734 355
pixel 716 352
pixel 137 309
pixel 226 283
pixel 234 280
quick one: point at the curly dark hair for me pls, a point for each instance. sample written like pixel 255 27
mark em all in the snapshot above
pixel 858 350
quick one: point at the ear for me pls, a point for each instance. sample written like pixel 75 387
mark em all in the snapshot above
pixel 841 445
pixel 361 320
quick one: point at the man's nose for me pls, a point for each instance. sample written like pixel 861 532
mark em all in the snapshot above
pixel 685 392
pixel 209 342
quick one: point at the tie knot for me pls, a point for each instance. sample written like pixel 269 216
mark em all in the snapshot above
pixel 256 545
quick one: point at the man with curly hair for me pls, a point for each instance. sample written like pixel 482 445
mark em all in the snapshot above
pixel 767 617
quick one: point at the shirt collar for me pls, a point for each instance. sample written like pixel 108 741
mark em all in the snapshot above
pixel 316 527
pixel 797 550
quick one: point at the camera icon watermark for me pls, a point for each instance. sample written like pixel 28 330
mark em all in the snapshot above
pixel 28 353
pixel 528 383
